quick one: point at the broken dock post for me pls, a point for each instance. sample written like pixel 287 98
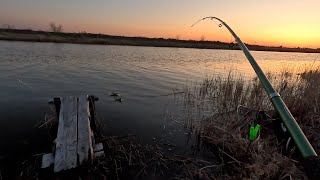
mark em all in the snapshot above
pixel 74 144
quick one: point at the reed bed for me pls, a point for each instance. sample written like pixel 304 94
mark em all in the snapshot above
pixel 125 158
pixel 222 109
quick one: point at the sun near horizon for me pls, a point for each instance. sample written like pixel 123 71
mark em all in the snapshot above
pixel 289 23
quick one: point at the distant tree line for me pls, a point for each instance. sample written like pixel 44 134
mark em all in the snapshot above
pixel 8 26
pixel 55 28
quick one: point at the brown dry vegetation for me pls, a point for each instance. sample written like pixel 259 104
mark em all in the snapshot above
pixel 222 110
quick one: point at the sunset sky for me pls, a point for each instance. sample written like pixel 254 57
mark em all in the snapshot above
pixel 289 23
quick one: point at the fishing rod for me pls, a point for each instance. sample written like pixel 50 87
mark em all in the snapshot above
pixel 289 121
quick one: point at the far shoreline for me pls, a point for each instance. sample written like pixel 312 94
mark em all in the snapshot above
pixel 102 39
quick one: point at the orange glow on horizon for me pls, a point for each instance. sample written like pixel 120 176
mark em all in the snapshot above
pixel 287 23
pixel 291 36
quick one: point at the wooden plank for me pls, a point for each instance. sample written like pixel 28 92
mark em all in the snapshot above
pixel 47 160
pixel 66 142
pixel 85 150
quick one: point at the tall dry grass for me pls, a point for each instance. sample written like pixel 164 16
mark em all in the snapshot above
pixel 222 109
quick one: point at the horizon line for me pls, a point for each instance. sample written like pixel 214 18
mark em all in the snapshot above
pixel 146 37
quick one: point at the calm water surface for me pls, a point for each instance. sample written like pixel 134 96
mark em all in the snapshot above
pixel 32 73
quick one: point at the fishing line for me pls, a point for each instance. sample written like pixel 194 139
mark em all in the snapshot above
pixel 197 22
pixel 24 83
pixel 231 44
pixel 287 118
pixel 222 30
pixel 161 95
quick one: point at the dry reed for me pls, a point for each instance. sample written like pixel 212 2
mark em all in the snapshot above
pixel 222 110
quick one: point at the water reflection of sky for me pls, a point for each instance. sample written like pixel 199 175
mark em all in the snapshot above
pixel 140 74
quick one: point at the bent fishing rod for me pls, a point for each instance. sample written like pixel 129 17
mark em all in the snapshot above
pixel 289 121
pixel 310 161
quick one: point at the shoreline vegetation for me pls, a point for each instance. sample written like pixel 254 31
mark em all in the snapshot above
pixel 222 110
pixel 219 112
pixel 102 39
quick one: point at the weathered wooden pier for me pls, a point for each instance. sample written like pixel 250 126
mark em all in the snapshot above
pixel 75 142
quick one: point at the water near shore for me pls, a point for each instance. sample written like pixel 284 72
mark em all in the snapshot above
pixel 32 73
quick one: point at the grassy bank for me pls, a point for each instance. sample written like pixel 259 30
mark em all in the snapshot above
pixel 221 111
pixel 88 38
